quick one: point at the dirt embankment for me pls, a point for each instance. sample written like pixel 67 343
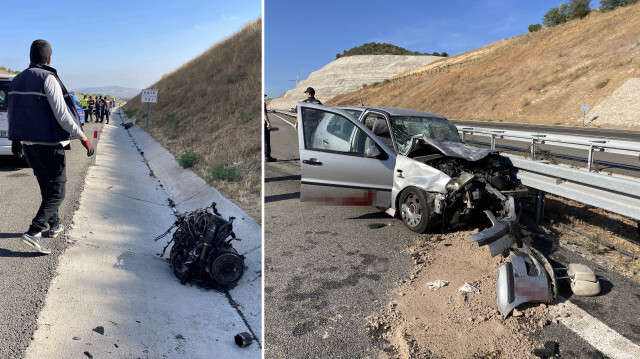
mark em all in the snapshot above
pixel 541 77
pixel 209 114
pixel 448 323
pixel 350 73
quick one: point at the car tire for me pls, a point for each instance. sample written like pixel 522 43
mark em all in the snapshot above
pixel 416 210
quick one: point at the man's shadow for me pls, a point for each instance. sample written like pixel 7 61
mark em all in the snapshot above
pixel 9 253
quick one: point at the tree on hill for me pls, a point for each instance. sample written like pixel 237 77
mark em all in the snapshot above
pixel 374 48
pixel 607 5
pixel 578 9
pixel 556 15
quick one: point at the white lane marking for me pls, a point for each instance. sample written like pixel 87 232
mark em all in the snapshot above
pixel 596 333
pixel 290 123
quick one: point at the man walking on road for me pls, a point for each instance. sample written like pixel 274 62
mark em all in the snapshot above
pixel 42 121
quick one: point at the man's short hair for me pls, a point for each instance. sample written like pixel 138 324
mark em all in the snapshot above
pixel 40 52
pixel 311 91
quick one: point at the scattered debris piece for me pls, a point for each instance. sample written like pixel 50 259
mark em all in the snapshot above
pixel 88 355
pixel 466 287
pixel 76 338
pixel 437 284
pixel 243 339
pixel 99 330
pixel 549 351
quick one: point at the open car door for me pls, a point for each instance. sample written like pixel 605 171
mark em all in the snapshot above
pixel 342 162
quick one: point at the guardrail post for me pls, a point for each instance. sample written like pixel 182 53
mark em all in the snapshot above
pixel 463 133
pixel 533 149
pixel 540 195
pixel 493 141
pixel 590 158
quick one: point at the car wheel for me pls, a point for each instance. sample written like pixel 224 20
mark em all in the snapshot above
pixel 416 210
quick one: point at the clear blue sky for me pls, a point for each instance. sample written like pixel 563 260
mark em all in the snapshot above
pixel 118 43
pixel 308 35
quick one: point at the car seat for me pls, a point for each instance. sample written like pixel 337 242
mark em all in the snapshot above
pixel 381 129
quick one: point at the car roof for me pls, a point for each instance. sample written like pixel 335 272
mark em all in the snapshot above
pixel 393 111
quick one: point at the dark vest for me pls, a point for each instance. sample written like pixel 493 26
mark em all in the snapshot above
pixel 312 100
pixel 30 115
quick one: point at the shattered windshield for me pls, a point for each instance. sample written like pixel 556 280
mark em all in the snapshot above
pixel 405 127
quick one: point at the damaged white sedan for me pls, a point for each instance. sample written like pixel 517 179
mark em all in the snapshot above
pixel 410 163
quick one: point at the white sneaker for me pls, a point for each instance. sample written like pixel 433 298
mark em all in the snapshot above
pixel 35 242
pixel 56 230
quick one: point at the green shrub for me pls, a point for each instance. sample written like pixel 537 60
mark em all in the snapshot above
pixel 224 173
pixel 534 27
pixel 189 159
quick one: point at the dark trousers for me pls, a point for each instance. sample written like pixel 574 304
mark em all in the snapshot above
pixel 106 113
pixel 267 141
pixel 88 114
pixel 49 167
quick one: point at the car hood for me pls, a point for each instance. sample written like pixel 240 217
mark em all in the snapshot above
pixel 421 143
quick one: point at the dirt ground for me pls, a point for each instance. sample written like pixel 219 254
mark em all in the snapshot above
pixel 421 322
pixel 448 323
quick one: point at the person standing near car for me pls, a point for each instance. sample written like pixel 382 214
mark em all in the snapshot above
pixel 42 121
pixel 310 93
pixel 85 105
pixel 267 137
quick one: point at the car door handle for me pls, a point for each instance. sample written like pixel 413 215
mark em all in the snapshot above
pixel 325 142
pixel 312 162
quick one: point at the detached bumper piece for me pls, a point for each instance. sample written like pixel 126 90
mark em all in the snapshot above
pixel 523 280
pixel 498 237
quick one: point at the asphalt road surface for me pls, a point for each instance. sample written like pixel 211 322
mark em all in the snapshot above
pixel 25 274
pixel 326 271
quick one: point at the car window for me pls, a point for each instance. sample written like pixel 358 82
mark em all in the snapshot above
pixel 4 90
pixel 332 132
pixel 405 127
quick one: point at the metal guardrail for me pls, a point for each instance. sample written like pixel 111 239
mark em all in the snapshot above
pixel 288 113
pixel 614 194
pixel 534 139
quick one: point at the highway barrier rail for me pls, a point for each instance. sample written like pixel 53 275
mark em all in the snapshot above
pixel 534 139
pixel 614 194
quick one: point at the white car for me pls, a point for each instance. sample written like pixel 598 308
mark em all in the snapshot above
pixel 5 144
pixel 410 163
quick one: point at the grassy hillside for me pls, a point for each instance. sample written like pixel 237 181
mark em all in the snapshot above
pixel 208 112
pixel 539 77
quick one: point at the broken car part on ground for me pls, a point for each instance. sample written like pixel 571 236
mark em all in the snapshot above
pixel 202 252
pixel 413 165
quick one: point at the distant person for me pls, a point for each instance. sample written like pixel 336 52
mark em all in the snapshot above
pixel 267 137
pixel 91 104
pixel 42 121
pixel 107 110
pixel 85 105
pixel 100 110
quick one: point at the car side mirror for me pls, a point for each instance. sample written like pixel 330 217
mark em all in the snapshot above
pixel 373 152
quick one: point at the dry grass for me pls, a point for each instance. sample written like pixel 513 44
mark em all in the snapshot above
pixel 539 77
pixel 603 227
pixel 211 106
